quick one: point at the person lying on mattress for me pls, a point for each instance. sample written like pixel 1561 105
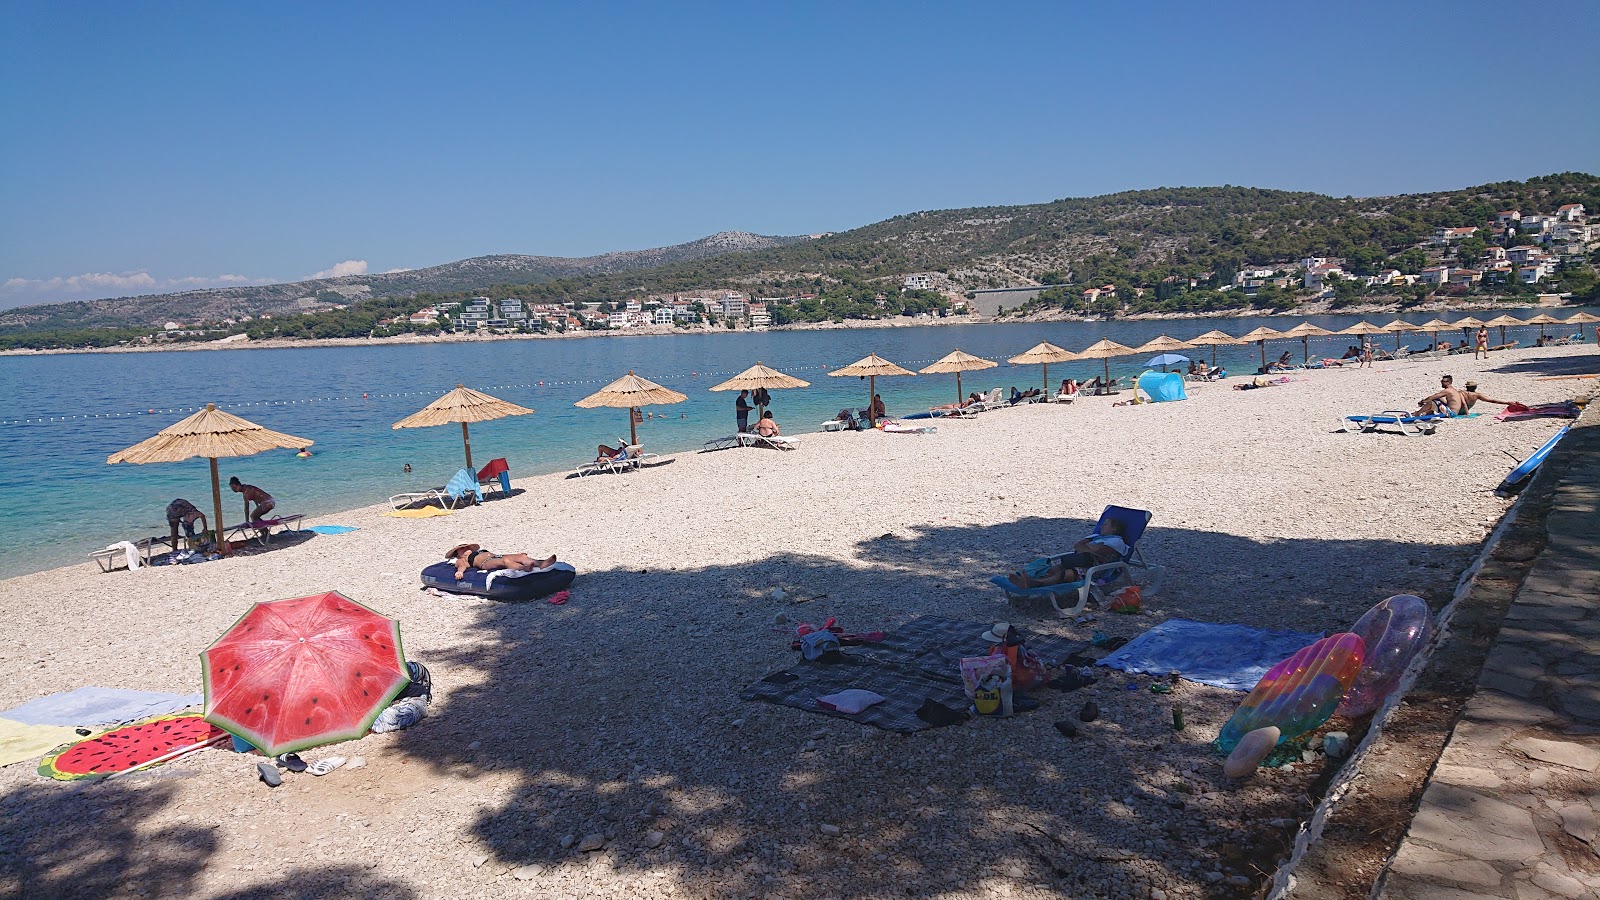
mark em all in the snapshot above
pixel 1095 549
pixel 472 556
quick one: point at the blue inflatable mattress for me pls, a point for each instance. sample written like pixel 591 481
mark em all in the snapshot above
pixel 502 584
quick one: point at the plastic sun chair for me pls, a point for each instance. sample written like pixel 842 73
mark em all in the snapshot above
pixel 452 495
pixel 776 442
pixel 1401 420
pixel 1098 580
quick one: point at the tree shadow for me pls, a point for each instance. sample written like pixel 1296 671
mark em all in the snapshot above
pixel 1584 364
pixel 619 716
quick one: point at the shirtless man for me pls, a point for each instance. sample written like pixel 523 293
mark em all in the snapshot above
pixel 1446 401
pixel 471 556
pixel 1095 549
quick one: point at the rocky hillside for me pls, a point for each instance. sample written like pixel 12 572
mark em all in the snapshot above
pixel 276 299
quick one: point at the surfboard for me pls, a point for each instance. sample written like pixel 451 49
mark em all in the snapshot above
pixel 1523 471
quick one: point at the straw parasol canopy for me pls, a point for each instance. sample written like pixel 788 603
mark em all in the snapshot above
pixel 759 377
pixel 1398 328
pixel 213 434
pixel 631 392
pixel 1504 321
pixel 1305 331
pixel 462 405
pixel 1043 353
pixel 1433 327
pixel 1214 339
pixel 958 362
pixel 1260 336
pixel 1164 344
pixel 1103 350
pixel 1541 320
pixel 1468 322
pixel 870 367
pixel 1580 318
pixel 1362 328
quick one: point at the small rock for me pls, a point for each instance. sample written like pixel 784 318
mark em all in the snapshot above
pixel 356 762
pixel 830 830
pixel 1336 744
pixel 568 840
pixel 1016 872
pixel 653 839
pixel 1090 712
pixel 475 745
pixel 1213 877
pixel 1158 894
pixel 1238 881
pixel 591 842
pixel 479 860
pixel 526 873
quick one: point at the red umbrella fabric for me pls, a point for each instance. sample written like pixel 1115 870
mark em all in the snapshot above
pixel 294 674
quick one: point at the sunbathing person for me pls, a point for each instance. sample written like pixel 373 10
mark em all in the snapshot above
pixel 1471 396
pixel 605 452
pixel 767 426
pixel 471 556
pixel 876 409
pixel 1096 548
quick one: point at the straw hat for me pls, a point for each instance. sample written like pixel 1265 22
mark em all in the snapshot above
pixel 997 632
pixel 470 548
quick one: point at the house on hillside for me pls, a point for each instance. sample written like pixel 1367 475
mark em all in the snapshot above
pixel 1389 276
pixel 759 317
pixel 1435 275
pixel 920 281
pixel 1506 217
pixel 1443 236
pixel 1536 224
pixel 424 316
pixel 1571 212
pixel 1466 276
pixel 1530 274
pixel 1523 253
pixel 1317 277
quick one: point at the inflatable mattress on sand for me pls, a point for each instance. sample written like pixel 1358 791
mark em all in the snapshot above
pixel 501 584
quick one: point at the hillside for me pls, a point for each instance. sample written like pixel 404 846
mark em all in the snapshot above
pixel 215 305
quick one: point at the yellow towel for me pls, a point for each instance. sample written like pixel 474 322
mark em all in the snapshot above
pixel 19 742
pixel 426 512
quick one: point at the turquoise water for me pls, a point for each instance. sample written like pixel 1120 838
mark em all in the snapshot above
pixel 66 413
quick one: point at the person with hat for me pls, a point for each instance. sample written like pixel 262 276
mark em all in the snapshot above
pixel 473 556
pixel 1471 396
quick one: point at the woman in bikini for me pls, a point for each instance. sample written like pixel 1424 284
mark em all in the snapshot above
pixel 472 556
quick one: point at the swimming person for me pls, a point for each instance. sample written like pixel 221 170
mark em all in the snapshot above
pixel 472 556
pixel 1096 548
pixel 181 510
pixel 407 469
pixel 252 494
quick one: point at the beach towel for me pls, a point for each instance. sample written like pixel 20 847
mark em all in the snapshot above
pixel 1517 411
pixel 130 553
pixel 464 482
pixel 99 706
pixel 19 742
pixel 918 662
pixel 1225 656
pixel 426 512
pixel 332 529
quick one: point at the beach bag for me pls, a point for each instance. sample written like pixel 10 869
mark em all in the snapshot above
pixel 987 680
pixel 1128 600
pixel 1027 670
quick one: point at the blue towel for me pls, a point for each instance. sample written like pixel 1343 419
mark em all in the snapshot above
pixel 99 706
pixel 332 529
pixel 1225 656
pixel 464 481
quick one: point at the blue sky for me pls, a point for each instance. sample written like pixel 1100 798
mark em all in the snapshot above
pixel 150 147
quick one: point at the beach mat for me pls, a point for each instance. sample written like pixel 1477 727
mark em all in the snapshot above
pixel 422 512
pixel 99 706
pixel 331 529
pixel 19 742
pixel 917 662
pixel 1225 656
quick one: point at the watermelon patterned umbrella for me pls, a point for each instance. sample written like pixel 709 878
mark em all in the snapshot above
pixel 294 674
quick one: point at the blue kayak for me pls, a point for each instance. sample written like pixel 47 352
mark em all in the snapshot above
pixel 1522 472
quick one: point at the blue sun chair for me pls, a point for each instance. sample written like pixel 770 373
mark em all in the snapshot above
pixel 1070 599
pixel 1400 420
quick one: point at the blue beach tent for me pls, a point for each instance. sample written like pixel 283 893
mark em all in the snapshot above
pixel 1160 387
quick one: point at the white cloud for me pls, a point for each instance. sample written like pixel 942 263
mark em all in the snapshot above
pixel 97 285
pixel 348 267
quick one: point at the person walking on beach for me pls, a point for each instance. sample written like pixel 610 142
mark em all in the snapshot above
pixel 741 411
pixel 1366 352
pixel 1481 350
pixel 181 510
pixel 252 494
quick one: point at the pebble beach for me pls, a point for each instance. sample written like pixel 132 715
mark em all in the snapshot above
pixel 600 748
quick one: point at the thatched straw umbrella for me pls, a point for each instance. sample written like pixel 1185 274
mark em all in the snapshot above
pixel 1103 350
pixel 1433 327
pixel 462 405
pixel 1260 336
pixel 631 392
pixel 1541 320
pixel 958 362
pixel 1581 318
pixel 1504 322
pixel 1214 339
pixel 1044 353
pixel 870 367
pixel 1163 344
pixel 213 434
pixel 759 376
pixel 1398 328
pixel 1305 331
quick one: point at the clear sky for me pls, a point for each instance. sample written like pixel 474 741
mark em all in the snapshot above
pixel 150 147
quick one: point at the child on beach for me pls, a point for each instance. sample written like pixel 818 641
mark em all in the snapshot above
pixel 472 556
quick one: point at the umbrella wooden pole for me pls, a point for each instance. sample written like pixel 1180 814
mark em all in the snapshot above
pixel 633 426
pixel 1046 387
pixel 1213 356
pixel 1106 389
pixel 1263 343
pixel 958 389
pixel 216 499
pixel 1305 350
pixel 466 443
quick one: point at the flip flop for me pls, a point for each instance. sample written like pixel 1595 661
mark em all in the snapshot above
pixel 324 766
pixel 560 597
pixel 268 773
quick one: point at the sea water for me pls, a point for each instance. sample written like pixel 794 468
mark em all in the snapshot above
pixel 64 414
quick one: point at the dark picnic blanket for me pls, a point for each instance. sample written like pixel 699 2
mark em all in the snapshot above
pixel 919 661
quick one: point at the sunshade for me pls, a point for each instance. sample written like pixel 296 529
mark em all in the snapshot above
pixel 1468 322
pixel 958 362
pixel 294 674
pixel 1043 353
pixel 1213 339
pixel 1504 321
pixel 1305 331
pixel 1542 320
pixel 1362 328
pixel 1397 328
pixel 1260 336
pixel 759 377
pixel 1103 350
pixel 213 434
pixel 462 405
pixel 1580 318
pixel 870 367
pixel 1433 327
pixel 631 392
pixel 1163 344
pixel 1166 359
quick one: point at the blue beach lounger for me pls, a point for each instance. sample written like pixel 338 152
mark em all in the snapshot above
pixel 1403 422
pixel 1098 579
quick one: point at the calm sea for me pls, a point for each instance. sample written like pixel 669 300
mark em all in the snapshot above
pixel 64 414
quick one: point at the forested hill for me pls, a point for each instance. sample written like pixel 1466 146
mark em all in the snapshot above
pixel 215 305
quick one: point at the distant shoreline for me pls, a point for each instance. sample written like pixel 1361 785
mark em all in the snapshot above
pixel 1308 309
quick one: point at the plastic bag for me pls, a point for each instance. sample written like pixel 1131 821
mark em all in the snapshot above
pixel 1129 600
pixel 987 680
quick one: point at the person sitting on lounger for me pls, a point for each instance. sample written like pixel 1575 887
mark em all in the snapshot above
pixel 181 510
pixel 767 426
pixel 252 494
pixel 472 556
pixel 1096 548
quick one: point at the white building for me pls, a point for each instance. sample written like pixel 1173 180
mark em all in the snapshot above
pixel 1435 275
pixel 734 305
pixel 921 281
pixel 618 320
pixel 759 317
pixel 663 315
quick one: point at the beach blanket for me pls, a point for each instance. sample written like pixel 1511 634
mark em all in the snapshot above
pixel 332 529
pixel 1517 411
pixel 918 662
pixel 99 706
pixel 19 742
pixel 425 512
pixel 1225 656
